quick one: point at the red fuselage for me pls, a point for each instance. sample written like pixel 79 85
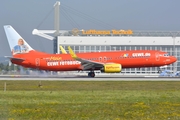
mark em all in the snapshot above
pixel 64 62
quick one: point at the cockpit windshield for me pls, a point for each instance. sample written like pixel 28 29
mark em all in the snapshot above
pixel 166 54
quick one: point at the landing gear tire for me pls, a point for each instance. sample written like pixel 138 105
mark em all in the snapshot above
pixel 91 74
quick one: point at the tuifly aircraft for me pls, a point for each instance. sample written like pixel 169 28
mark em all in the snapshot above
pixel 108 62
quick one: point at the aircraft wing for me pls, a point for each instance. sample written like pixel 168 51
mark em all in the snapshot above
pixel 12 58
pixel 87 64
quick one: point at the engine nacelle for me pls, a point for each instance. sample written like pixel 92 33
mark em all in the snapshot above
pixel 112 68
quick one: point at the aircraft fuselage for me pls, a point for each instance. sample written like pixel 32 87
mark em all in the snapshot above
pixel 64 62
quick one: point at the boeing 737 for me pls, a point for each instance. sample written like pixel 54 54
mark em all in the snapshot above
pixel 108 62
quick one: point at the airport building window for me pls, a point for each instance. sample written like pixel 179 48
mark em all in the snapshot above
pixel 92 48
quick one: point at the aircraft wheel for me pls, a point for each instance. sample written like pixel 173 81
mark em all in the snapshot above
pixel 91 74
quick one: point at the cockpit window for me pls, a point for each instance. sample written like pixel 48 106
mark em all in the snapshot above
pixel 166 54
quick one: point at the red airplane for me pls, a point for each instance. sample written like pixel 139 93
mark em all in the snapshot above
pixel 108 62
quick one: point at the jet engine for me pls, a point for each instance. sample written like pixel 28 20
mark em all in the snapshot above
pixel 111 68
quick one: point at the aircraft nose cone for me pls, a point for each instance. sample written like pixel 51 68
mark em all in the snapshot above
pixel 173 59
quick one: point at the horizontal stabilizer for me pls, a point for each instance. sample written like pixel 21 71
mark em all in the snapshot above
pixel 12 58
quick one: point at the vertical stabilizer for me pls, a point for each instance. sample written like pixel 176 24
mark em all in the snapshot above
pixel 17 44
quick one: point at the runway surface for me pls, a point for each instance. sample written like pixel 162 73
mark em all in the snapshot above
pixel 85 78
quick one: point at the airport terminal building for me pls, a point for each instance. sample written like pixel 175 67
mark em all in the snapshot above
pixel 112 40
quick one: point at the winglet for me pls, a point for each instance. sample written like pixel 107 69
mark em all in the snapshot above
pixel 62 50
pixel 73 55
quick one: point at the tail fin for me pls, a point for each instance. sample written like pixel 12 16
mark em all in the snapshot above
pixel 16 42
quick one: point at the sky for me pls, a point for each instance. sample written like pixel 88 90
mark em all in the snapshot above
pixel 26 15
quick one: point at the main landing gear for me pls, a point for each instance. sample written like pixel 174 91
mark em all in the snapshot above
pixel 91 74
